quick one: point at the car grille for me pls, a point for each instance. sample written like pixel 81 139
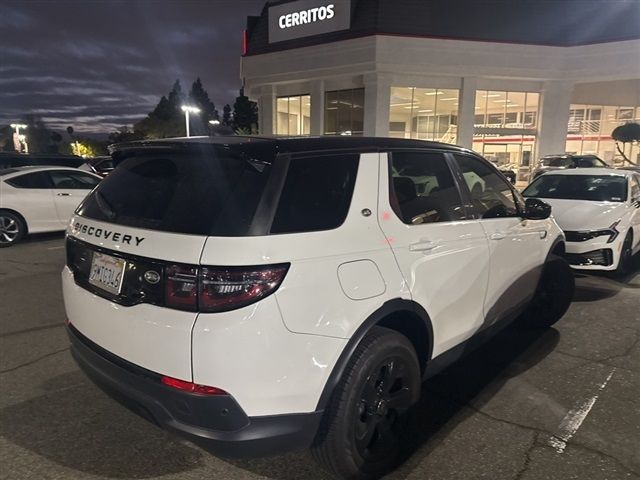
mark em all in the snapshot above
pixel 602 257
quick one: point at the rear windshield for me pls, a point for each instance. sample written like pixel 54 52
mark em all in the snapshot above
pixel 580 162
pixel 224 192
pixel 208 192
pixel 597 188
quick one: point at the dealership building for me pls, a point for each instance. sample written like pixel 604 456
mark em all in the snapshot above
pixel 512 80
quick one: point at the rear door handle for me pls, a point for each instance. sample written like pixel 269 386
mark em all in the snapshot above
pixel 423 246
pixel 64 194
pixel 497 236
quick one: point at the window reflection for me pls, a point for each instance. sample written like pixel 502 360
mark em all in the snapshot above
pixel 344 112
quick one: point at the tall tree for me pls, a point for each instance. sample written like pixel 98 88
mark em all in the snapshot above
pixel 227 120
pixel 627 133
pixel 198 97
pixel 38 135
pixel 245 114
pixel 166 119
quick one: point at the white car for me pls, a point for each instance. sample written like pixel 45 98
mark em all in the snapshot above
pixel 39 199
pixel 599 211
pixel 258 295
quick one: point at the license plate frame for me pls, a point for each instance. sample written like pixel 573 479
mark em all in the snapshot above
pixel 107 272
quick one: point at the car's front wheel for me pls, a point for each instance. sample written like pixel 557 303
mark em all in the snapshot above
pixel 624 263
pixel 12 229
pixel 553 295
pixel 362 429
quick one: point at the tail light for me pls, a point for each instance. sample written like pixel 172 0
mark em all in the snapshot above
pixel 181 287
pixel 191 387
pixel 227 288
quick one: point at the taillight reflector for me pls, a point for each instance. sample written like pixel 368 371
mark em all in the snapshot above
pixel 192 387
pixel 181 287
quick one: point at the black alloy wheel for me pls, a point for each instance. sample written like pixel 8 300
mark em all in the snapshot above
pixel 384 399
pixel 363 428
pixel 12 229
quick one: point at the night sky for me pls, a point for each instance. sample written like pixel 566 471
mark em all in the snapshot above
pixel 98 65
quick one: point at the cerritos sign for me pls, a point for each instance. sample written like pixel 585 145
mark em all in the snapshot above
pixel 308 17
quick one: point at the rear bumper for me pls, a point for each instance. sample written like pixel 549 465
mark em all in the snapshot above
pixel 215 422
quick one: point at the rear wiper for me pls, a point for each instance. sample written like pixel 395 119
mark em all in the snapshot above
pixel 104 206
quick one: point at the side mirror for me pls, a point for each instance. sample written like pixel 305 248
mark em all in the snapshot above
pixel 535 209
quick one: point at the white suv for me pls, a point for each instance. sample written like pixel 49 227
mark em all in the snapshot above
pixel 260 294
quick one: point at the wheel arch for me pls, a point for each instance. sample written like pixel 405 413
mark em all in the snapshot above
pixel 557 247
pixel 403 316
pixel 17 214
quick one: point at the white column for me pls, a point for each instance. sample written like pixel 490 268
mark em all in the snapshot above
pixel 377 93
pixel 553 117
pixel 466 112
pixel 267 110
pixel 317 107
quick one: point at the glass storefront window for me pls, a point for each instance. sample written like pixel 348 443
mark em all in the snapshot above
pixel 589 131
pixel 293 115
pixel 344 112
pixel 505 128
pixel 424 113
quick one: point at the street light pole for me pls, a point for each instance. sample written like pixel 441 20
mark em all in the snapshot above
pixel 188 109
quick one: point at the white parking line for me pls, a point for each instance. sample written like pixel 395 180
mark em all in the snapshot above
pixel 55 248
pixel 574 418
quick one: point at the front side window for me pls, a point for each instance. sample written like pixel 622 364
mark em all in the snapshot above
pixel 31 180
pixel 596 188
pixel 422 189
pixel 491 195
pixel 72 180
pixel 316 194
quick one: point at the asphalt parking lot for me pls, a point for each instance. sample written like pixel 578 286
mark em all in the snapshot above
pixel 557 404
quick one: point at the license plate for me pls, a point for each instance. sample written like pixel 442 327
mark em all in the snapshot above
pixel 107 272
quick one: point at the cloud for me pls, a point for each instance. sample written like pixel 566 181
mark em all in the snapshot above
pixel 15 19
pixel 100 65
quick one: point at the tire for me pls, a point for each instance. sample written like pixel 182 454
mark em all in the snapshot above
pixel 624 264
pixel 12 229
pixel 362 428
pixel 553 294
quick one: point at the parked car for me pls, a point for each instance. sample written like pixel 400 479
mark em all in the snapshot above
pixel 599 211
pixel 260 294
pixel 100 165
pixel 12 160
pixel 632 168
pixel 508 170
pixel 563 161
pixel 39 199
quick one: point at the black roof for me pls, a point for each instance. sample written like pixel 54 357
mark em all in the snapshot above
pixel 283 144
pixel 550 22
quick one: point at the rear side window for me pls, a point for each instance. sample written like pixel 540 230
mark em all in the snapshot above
pixel 71 180
pixel 31 180
pixel 212 191
pixel 316 194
